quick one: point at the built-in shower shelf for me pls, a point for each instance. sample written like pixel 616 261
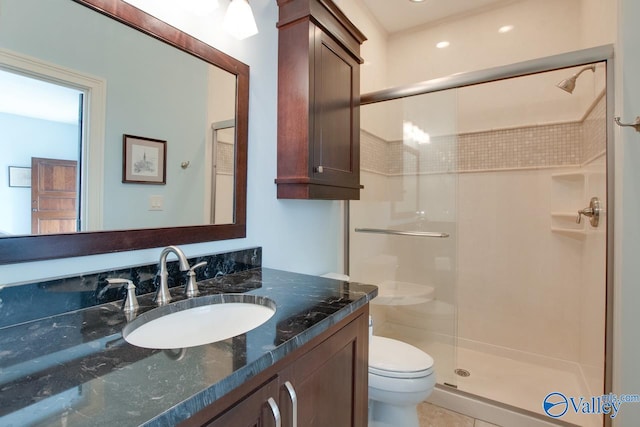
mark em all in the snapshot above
pixel 566 216
pixel 566 220
pixel 569 193
pixel 570 176
pixel 570 232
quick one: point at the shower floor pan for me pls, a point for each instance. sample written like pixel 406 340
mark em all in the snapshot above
pixel 521 382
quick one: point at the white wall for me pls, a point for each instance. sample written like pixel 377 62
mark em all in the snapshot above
pixel 627 235
pixel 374 51
pixel 599 19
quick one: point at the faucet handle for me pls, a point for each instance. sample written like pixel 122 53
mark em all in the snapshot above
pixel 130 303
pixel 192 286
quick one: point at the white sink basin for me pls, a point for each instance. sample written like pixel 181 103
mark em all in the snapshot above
pixel 199 321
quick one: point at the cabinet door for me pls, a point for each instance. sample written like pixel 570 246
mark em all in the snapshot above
pixel 258 409
pixel 330 381
pixel 336 141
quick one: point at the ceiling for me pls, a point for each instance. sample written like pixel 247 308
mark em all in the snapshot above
pixel 400 15
pixel 25 96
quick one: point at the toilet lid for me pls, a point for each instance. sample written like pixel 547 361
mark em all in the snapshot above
pixel 397 359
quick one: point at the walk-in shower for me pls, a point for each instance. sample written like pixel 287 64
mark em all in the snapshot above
pixel 467 223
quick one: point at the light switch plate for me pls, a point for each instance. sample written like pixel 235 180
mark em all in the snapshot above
pixel 156 203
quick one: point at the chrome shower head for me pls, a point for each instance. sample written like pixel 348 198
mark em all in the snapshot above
pixel 569 84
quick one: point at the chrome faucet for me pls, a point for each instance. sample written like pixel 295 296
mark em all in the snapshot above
pixel 162 295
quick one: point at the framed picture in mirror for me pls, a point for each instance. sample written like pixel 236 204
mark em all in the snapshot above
pixel 144 160
pixel 19 176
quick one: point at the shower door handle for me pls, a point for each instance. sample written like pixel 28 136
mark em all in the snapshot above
pixel 592 212
pixel 401 233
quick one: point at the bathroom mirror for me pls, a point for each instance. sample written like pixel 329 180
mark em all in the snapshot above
pixel 187 131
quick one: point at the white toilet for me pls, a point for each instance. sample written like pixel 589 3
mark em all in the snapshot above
pixel 400 377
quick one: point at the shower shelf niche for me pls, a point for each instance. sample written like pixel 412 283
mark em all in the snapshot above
pixel 569 192
pixel 565 223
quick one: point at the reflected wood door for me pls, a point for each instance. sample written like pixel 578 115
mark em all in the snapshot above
pixel 54 196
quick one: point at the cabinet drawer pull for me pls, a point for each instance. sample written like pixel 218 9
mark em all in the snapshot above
pixel 294 402
pixel 275 411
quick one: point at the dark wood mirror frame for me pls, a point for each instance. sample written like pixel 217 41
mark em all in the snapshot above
pixel 43 247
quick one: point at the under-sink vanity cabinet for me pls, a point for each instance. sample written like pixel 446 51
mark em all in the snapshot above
pixel 323 383
pixel 258 409
pixel 318 102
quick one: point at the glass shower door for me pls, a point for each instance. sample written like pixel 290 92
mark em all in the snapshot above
pixel 403 229
pixel 468 224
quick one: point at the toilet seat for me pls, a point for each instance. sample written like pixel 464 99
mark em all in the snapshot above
pixel 396 359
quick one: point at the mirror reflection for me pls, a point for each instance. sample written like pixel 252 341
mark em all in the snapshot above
pixel 80 81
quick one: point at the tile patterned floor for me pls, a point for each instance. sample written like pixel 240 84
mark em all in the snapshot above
pixel 435 416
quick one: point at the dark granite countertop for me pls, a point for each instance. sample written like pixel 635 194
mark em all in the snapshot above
pixel 75 368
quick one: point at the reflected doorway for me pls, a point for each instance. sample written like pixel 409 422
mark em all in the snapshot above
pixel 41 132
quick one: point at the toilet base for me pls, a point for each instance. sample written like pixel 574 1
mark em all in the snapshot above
pixel 386 415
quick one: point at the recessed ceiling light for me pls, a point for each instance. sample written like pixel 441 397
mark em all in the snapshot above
pixel 416 1
pixel 505 29
pixel 443 44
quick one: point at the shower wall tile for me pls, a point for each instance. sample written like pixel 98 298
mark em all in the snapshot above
pixel 503 291
pixel 595 131
pixel 517 148
pixel 530 147
pixel 396 158
pixel 526 147
pixel 226 156
pixel 374 153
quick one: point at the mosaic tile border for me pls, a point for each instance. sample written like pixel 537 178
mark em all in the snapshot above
pixel 527 147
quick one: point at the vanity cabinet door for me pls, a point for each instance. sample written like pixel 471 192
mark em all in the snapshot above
pixel 336 134
pixel 321 384
pixel 258 409
pixel 330 381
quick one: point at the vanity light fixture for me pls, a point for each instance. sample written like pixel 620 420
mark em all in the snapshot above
pixel 442 44
pixel 239 20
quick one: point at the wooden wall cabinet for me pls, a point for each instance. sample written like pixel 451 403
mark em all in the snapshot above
pixel 318 102
pixel 323 383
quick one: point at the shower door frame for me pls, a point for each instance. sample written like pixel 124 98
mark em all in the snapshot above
pixel 570 59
